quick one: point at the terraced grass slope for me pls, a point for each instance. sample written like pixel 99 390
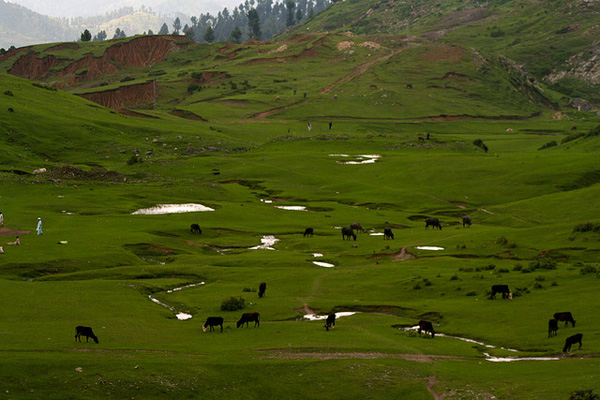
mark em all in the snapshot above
pixel 467 137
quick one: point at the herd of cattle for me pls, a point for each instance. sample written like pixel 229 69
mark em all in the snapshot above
pixel 423 326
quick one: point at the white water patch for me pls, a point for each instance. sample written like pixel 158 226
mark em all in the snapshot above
pixel 434 248
pixel 266 201
pixel 172 209
pixel 512 359
pixel 267 243
pixel 315 317
pixel 376 234
pixel 317 255
pixel 323 264
pixel 180 315
pixel 292 208
pixel 360 159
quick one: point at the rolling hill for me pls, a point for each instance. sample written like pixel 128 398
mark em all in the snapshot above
pixel 344 119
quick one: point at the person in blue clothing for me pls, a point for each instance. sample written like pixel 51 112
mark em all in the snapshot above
pixel 39 227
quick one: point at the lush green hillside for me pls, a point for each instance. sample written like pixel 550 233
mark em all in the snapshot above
pixel 397 134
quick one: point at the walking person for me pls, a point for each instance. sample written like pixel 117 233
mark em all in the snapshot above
pixel 309 127
pixel 39 227
pixel 1 219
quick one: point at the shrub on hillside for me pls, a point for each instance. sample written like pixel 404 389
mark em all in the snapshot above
pixel 548 145
pixel 479 143
pixel 572 136
pixel 233 304
pixel 542 263
pixel 594 132
pixel 584 394
pixel 587 227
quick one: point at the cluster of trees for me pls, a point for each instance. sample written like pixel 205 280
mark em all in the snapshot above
pixel 251 20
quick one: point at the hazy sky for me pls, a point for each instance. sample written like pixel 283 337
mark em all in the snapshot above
pixel 75 8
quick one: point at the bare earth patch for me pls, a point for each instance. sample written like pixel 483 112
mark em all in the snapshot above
pixel 286 354
pixel 10 232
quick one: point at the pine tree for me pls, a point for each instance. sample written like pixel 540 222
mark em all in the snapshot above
pixel 209 34
pixel 86 36
pixel 254 32
pixel 164 29
pixel 290 5
pixel 236 35
pixel 176 26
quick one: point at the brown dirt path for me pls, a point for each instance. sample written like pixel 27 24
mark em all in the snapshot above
pixel 359 70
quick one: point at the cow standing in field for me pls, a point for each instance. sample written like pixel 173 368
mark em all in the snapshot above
pixel 466 221
pixel 552 328
pixel 388 234
pixel 308 232
pixel 506 294
pixel 211 322
pixel 195 228
pixel 330 322
pixel 571 340
pixel 565 316
pixel 433 222
pixel 85 331
pixel 261 289
pixel 348 232
pixel 426 326
pixel 357 227
pixel 249 317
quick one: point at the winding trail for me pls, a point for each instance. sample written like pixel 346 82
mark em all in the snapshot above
pixel 430 384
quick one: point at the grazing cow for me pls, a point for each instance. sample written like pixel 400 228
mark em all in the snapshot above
pixel 330 322
pixel 387 233
pixel 308 232
pixel 347 232
pixel 421 139
pixel 433 222
pixel 466 221
pixel 85 331
pixel 574 128
pixel 552 328
pixel 261 289
pixel 211 322
pixel 249 317
pixel 195 228
pixel 357 227
pixel 426 326
pixel 506 294
pixel 565 316
pixel 571 340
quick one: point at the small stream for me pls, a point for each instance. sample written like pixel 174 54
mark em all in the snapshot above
pixel 180 315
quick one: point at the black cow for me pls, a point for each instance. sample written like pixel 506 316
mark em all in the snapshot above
pixel 552 328
pixel 426 326
pixel 466 221
pixel 249 317
pixel 330 322
pixel 565 316
pixel 348 232
pixel 357 227
pixel 388 234
pixel 571 340
pixel 261 289
pixel 433 222
pixel 506 294
pixel 85 331
pixel 308 232
pixel 211 322
pixel 195 228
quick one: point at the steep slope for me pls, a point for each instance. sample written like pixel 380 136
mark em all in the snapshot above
pixel 555 41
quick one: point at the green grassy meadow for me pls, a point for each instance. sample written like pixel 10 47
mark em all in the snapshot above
pixel 99 265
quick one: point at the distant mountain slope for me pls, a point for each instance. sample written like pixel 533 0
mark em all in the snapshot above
pixel 21 27
pixel 555 41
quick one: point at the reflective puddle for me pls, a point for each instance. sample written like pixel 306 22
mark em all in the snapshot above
pixel 180 315
pixel 267 243
pixel 292 208
pixel 434 248
pixel 323 264
pixel 172 209
pixel 316 317
pixel 358 159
